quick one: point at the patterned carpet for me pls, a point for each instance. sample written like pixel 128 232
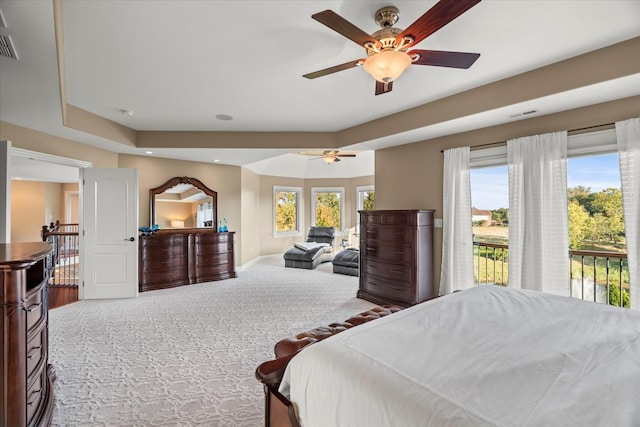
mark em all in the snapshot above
pixel 186 356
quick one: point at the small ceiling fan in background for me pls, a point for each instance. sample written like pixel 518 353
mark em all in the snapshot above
pixel 388 54
pixel 328 156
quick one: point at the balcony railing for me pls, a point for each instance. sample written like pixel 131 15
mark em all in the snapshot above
pixel 598 276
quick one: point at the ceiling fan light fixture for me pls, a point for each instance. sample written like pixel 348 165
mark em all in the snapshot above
pixel 388 65
pixel 329 159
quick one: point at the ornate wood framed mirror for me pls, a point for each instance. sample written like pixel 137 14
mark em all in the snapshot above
pixel 183 202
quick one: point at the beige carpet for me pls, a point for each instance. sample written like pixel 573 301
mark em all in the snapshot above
pixel 186 356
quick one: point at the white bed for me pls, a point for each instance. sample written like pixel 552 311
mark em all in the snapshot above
pixel 485 356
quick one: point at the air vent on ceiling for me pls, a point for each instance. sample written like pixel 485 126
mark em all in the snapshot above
pixel 6 47
pixel 524 113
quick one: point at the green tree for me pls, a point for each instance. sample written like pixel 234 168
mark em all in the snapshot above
pixel 608 216
pixel 614 297
pixel 328 210
pixel 369 202
pixel 286 211
pixel 580 224
pixel 583 196
pixel 500 216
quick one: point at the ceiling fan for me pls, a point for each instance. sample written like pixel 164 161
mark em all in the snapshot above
pixel 328 156
pixel 388 54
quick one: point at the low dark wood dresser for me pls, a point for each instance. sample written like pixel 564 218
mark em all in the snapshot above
pixel 173 258
pixel 26 389
pixel 396 256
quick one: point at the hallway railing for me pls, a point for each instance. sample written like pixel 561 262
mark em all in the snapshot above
pixel 63 284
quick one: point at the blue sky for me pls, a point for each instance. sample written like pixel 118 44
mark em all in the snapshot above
pixel 490 186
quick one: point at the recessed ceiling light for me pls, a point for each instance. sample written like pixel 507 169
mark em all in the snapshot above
pixel 149 152
pixel 224 117
pixel 128 112
pixel 216 160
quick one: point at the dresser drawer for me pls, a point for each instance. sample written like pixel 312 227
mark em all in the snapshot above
pixel 219 260
pixel 382 251
pixel 34 308
pixel 397 290
pixel 34 397
pixel 400 272
pixel 389 218
pixel 390 234
pixel 35 351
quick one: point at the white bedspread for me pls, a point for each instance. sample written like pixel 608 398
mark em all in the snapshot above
pixel 485 356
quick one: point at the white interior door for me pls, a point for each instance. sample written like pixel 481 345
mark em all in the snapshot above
pixel 109 233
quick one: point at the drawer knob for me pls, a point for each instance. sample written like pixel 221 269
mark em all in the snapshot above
pixel 35 352
pixel 34 307
pixel 35 392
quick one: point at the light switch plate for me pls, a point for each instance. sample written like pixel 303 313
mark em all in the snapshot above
pixel 437 222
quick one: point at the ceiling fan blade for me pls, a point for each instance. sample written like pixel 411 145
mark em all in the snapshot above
pixel 383 87
pixel 435 18
pixel 443 58
pixel 340 25
pixel 334 69
pixel 346 155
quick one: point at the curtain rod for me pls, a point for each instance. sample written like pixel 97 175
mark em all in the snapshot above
pixel 577 131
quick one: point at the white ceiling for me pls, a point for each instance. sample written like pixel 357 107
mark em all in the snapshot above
pixel 178 64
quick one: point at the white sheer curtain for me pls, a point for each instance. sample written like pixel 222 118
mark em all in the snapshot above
pixel 457 234
pixel 538 231
pixel 628 136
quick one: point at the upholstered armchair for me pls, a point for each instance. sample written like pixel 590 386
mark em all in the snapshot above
pixel 318 248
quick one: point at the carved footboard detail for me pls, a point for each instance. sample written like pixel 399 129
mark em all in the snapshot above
pixel 278 409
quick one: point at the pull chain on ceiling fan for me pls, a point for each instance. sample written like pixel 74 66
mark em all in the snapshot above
pixel 388 54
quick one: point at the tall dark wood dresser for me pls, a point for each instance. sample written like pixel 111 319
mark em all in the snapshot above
pixel 396 256
pixel 26 389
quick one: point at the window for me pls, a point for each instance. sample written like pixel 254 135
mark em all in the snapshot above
pixel 204 214
pixel 599 270
pixel 327 207
pixel 287 203
pixel 366 198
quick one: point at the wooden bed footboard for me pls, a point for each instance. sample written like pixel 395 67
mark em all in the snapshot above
pixel 279 411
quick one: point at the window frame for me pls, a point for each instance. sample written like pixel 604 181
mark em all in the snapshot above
pixel 299 210
pixel 316 190
pixel 584 144
pixel 360 197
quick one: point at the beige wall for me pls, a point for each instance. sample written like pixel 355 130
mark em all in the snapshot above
pixel 268 243
pixel 33 204
pixel 29 139
pixel 167 211
pixel 226 180
pixel 72 191
pixel 407 177
pixel 410 176
pixel 251 216
pixel 274 245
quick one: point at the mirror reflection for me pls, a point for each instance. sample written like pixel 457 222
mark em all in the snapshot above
pixel 183 202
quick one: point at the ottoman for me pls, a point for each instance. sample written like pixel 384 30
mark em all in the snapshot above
pixel 347 262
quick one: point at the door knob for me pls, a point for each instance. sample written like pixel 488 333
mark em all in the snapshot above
pixel 131 239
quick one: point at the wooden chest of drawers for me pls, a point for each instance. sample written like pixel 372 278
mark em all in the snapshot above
pixel 396 256
pixel 26 389
pixel 174 258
